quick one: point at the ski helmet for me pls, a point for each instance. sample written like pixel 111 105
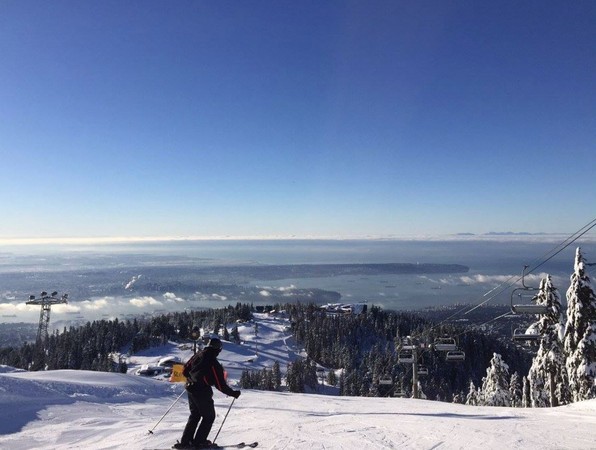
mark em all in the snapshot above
pixel 214 343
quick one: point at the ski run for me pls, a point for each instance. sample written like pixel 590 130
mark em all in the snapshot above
pixel 67 409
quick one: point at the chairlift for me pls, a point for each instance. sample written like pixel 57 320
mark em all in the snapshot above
pixel 405 357
pixel 446 344
pixel 455 356
pixel 520 335
pixel 400 391
pixel 422 370
pixel 523 307
pixel 407 344
pixel 526 308
pixel 386 380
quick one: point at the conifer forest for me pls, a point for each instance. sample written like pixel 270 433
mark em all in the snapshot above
pixel 376 353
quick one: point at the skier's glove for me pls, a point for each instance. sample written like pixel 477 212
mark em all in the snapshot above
pixel 236 394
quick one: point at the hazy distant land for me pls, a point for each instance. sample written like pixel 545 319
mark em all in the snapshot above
pixel 284 271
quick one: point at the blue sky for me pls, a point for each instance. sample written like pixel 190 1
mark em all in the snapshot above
pixel 309 118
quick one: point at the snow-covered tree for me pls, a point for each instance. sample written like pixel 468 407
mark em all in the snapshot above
pixel 495 386
pixel 537 383
pixel 276 372
pixel 580 334
pixel 515 390
pixel 526 402
pixel 332 378
pixel 473 398
pixel 548 375
pixel 459 397
pixel 235 335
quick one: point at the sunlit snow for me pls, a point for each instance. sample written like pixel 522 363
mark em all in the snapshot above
pixel 68 409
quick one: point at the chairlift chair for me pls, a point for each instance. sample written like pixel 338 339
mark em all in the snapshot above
pixel 386 380
pixel 520 335
pixel 455 356
pixel 446 344
pixel 526 308
pixel 406 344
pixel 405 357
pixel 422 370
pixel 399 391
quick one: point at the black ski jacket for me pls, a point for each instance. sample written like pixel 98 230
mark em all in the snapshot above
pixel 205 371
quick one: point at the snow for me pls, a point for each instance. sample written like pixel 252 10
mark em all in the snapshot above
pixel 68 409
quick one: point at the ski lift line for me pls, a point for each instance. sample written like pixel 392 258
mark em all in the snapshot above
pixel 567 242
pixel 559 251
pixel 455 314
pixel 507 281
pixel 563 245
pixel 494 319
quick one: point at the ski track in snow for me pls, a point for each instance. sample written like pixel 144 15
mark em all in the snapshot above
pixel 68 409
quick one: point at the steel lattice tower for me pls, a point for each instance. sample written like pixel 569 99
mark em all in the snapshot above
pixel 46 301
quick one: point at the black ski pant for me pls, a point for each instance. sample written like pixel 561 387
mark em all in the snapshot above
pixel 202 409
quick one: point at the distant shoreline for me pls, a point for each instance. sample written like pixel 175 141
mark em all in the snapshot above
pixel 286 271
pixel 506 236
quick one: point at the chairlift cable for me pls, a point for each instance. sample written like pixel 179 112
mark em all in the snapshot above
pixel 563 248
pixel 574 237
pixel 507 284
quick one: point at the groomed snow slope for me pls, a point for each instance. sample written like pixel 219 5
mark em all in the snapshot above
pixel 67 409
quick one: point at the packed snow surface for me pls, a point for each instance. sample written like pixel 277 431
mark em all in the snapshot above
pixel 68 409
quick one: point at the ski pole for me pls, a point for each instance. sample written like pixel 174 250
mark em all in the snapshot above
pixel 175 401
pixel 224 420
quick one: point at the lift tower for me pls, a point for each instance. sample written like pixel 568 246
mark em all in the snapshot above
pixel 46 301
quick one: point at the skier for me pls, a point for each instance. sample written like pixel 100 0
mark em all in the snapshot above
pixel 203 371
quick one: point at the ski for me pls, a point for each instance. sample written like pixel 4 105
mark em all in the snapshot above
pixel 217 446
pixel 240 445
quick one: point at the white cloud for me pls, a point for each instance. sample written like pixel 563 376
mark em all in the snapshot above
pixel 199 296
pixel 66 308
pixel 94 305
pixel 265 293
pixel 291 287
pixel 532 279
pixel 7 308
pixel 171 297
pixel 141 302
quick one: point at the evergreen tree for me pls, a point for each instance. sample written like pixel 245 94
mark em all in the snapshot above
pixel 580 334
pixel 548 375
pixel 473 397
pixel 515 390
pixel 276 373
pixel 342 383
pixel 331 378
pixel 245 380
pixel 460 397
pixel 495 387
pixel 235 335
pixel 295 375
pixel 526 401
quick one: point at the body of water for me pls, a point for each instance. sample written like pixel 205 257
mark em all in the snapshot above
pixel 99 278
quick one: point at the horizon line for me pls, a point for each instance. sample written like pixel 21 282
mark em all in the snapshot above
pixel 106 240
